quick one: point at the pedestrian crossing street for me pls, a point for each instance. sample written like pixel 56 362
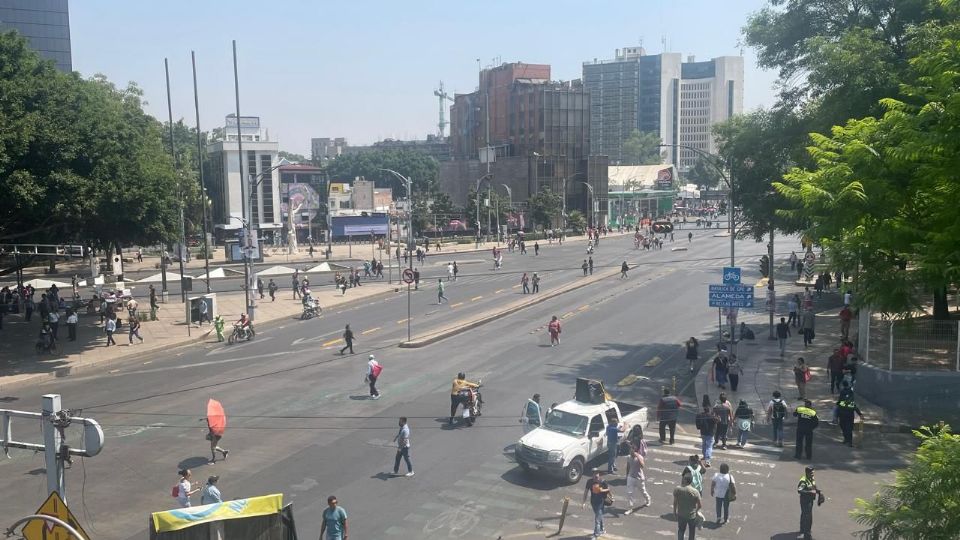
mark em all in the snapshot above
pixel 495 499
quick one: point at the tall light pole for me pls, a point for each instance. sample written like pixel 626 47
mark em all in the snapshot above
pixel 509 202
pixel 591 201
pixel 246 195
pixel 477 200
pixel 564 210
pixel 409 185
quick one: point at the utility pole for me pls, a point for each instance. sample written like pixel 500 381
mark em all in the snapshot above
pixel 772 294
pixel 203 187
pixel 54 421
pixel 246 194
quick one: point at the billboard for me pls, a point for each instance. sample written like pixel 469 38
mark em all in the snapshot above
pixel 376 223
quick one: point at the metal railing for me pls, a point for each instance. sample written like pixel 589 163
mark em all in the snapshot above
pixel 911 344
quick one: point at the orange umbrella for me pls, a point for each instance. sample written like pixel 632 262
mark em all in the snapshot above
pixel 216 418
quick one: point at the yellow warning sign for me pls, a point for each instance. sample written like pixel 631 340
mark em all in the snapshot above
pixel 39 529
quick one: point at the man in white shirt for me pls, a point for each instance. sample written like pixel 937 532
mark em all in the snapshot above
pixel 72 321
pixel 373 372
pixel 403 447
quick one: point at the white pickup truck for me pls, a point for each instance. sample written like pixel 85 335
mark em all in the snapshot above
pixel 573 434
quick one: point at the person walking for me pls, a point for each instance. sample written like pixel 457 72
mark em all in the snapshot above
pixel 636 478
pixel 134 324
pixel 536 283
pixel 799 269
pixel 295 285
pixel 743 417
pixel 450 271
pixel 776 412
pixel 210 493
pixel 693 351
pixel 403 448
pixel 613 431
pixel 721 368
pixel 590 264
pixel 272 289
pixel 584 267
pixel 553 328
pixel 801 374
pixel 792 306
pixel 845 317
pixel 184 489
pixel 110 327
pixel 536 249
pixel 723 410
pixel 72 321
pixel 215 444
pixel 347 339
pixel 707 422
pixel 734 371
pixel 334 521
pixel 689 239
pixel 667 411
pixel 809 494
pixel 623 270
pixel 783 332
pixel 597 489
pixel 846 408
pixel 525 283
pixel 440 296
pixel 260 287
pixel 373 373
pixel 416 279
pixel 724 490
pixel 204 311
pixel 835 367
pixel 456 270
pixel 686 507
pixel 53 319
pixel 807 327
pixel 793 260
pixel 807 421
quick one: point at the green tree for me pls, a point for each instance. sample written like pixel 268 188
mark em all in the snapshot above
pixel 704 174
pixel 881 195
pixel 291 157
pixel 641 148
pixel 923 500
pixel 421 169
pixel 545 207
pixel 79 159
pixel 490 201
pixel 577 221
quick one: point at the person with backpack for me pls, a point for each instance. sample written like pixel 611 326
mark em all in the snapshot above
pixel 667 411
pixel 744 419
pixel 693 351
pixel 373 373
pixel 706 422
pixel 183 490
pixel 776 412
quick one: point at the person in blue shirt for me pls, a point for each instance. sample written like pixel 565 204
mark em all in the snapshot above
pixel 210 493
pixel 614 429
pixel 334 521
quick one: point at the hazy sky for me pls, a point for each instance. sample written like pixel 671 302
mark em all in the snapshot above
pixel 366 70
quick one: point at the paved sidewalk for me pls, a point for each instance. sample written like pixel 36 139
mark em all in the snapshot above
pixel 19 362
pixel 765 371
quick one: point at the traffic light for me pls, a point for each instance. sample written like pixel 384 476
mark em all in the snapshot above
pixel 765 266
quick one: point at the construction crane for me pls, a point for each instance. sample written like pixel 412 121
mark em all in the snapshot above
pixel 442 95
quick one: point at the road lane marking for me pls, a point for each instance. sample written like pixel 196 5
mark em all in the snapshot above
pixel 332 342
pixel 515 286
pixel 401 321
pixel 475 298
pixel 582 308
pixel 653 361
pixel 370 331
pixel 498 291
pixel 457 304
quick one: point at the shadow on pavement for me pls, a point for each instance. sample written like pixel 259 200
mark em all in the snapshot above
pixel 192 462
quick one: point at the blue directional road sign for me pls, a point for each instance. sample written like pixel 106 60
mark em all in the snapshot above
pixel 731 275
pixel 731 296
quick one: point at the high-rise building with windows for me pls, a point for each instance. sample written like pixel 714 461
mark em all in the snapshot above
pixel 45 23
pixel 678 101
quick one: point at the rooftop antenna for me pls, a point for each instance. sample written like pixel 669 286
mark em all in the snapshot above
pixel 663 42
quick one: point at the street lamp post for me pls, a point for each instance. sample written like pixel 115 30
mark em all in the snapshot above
pixel 477 201
pixel 409 185
pixel 509 204
pixel 564 201
pixel 591 201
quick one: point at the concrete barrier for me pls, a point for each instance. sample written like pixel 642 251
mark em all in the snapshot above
pixel 918 397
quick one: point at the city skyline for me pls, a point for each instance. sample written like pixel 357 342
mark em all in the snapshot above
pixel 369 79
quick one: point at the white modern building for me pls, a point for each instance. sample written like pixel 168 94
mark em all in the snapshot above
pixel 225 175
pixel 679 101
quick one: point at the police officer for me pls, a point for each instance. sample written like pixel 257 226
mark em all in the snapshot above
pixel 807 488
pixel 807 421
pixel 845 410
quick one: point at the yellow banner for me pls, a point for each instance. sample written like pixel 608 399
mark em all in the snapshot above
pixel 181 518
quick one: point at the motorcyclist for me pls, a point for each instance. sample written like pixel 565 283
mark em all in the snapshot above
pixel 244 323
pixel 459 385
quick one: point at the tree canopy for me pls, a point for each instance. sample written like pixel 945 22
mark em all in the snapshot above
pixel 545 206
pixel 641 148
pixel 79 159
pixel 421 169
pixel 924 500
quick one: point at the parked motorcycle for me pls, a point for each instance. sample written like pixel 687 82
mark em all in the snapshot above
pixel 241 333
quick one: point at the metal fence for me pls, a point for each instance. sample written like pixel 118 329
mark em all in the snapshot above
pixel 910 345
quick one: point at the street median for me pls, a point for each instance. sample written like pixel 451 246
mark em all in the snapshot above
pixel 494 314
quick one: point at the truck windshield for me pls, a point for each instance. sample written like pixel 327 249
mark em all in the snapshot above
pixel 564 422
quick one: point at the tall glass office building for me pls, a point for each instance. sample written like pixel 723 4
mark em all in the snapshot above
pixel 46 23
